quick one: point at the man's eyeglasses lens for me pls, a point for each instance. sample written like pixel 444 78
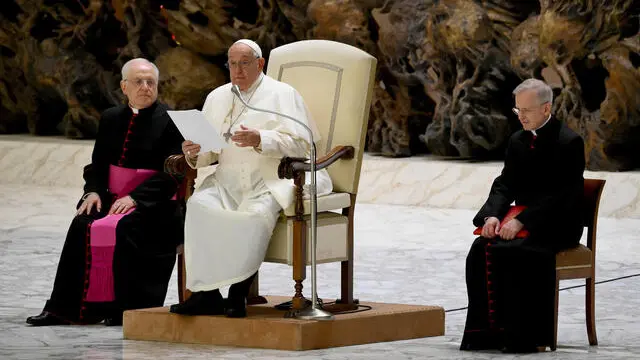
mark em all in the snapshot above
pixel 139 82
pixel 525 111
pixel 241 64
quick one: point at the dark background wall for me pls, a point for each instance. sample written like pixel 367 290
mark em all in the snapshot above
pixel 444 81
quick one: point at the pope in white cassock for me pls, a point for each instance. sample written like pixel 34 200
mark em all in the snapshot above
pixel 231 216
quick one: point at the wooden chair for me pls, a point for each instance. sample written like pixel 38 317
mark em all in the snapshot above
pixel 580 262
pixel 175 164
pixel 336 82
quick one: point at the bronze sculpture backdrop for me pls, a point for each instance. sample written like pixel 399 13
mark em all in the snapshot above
pixel 446 67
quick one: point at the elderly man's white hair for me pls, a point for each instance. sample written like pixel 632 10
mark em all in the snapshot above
pixel 257 52
pixel 543 91
pixel 127 66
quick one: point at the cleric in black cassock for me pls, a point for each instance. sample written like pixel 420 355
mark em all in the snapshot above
pixel 121 246
pixel 510 280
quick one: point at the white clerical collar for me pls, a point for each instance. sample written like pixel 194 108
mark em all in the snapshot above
pixel 540 127
pixel 253 86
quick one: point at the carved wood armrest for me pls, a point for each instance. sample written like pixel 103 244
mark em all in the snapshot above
pixel 289 166
pixel 175 165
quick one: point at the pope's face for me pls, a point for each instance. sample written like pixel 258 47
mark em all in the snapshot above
pixel 244 67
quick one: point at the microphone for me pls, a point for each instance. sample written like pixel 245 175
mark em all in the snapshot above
pixel 314 312
pixel 235 89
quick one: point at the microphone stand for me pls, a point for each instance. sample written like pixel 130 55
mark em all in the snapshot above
pixel 313 312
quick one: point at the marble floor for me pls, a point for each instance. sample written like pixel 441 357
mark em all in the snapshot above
pixel 404 254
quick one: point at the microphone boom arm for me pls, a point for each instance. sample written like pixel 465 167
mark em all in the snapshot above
pixel 314 312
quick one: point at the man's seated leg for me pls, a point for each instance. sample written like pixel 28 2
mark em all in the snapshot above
pixel 147 250
pixel 236 306
pixel 67 299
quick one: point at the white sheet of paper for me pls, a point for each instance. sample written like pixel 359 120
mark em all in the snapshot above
pixel 194 126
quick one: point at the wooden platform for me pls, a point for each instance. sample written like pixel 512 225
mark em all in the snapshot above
pixel 266 327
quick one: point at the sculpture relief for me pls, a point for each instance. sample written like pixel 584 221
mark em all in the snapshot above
pixel 443 85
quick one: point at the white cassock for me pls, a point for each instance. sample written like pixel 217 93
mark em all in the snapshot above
pixel 231 216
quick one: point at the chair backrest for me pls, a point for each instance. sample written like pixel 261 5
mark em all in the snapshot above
pixel 336 82
pixel 592 193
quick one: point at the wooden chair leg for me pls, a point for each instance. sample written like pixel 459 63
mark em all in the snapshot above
pixel 346 301
pixel 180 277
pixel 591 310
pixel 346 282
pixel 554 343
pixel 346 267
pixel 254 297
pixel 183 293
pixel 298 302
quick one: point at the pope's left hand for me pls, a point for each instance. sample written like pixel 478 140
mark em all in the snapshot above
pixel 246 137
pixel 122 205
pixel 510 229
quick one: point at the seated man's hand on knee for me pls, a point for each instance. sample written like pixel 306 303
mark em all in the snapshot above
pixel 510 229
pixel 122 205
pixel 491 227
pixel 91 201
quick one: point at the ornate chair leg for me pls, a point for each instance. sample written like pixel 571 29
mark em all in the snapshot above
pixel 299 263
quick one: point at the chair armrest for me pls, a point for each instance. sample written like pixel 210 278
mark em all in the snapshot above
pixel 289 166
pixel 175 165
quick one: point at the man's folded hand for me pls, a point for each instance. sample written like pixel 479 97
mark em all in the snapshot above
pixel 510 229
pixel 491 227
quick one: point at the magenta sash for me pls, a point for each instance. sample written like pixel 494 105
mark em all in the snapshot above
pixel 103 234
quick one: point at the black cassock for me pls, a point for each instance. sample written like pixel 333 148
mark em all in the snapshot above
pixel 511 284
pixel 146 239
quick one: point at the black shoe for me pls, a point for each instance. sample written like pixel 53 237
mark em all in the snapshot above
pixel 236 307
pixel 201 303
pixel 45 318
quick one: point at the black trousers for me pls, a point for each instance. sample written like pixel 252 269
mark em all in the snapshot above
pixel 511 291
pixel 144 257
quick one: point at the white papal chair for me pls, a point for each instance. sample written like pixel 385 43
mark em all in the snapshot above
pixel 336 82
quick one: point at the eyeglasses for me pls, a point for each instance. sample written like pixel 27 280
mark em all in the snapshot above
pixel 526 111
pixel 244 64
pixel 139 82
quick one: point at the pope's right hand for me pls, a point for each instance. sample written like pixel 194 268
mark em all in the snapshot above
pixel 190 149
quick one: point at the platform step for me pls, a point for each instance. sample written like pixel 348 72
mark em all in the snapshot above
pixel 265 327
